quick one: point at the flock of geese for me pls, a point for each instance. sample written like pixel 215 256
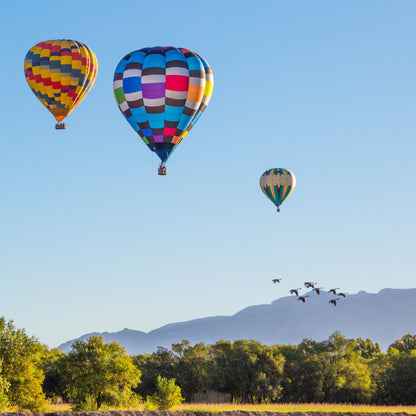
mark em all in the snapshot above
pixel 317 290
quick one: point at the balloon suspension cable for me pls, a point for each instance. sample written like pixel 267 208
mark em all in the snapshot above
pixel 60 126
pixel 162 169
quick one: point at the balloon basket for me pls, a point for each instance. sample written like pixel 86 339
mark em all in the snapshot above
pixel 60 126
pixel 162 170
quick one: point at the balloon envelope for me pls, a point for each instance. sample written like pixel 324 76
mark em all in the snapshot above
pixel 60 73
pixel 162 92
pixel 277 184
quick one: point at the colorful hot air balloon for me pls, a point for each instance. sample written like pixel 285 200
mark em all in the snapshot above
pixel 277 185
pixel 162 92
pixel 60 73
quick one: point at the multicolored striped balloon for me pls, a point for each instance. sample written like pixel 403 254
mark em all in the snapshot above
pixel 162 92
pixel 277 185
pixel 60 73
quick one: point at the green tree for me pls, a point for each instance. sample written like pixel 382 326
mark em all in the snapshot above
pixel 167 395
pixel 406 344
pixel 248 370
pixel 347 375
pixel 163 362
pixel 94 372
pixel 21 356
pixel 192 368
pixel 327 371
pixel 379 368
pixel 234 369
pixel 367 348
pixel 269 373
pixel 53 384
pixel 396 377
pixel 304 371
pixel 4 386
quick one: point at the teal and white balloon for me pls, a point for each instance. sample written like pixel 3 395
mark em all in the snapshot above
pixel 277 184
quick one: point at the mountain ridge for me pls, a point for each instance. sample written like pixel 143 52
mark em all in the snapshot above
pixel 383 317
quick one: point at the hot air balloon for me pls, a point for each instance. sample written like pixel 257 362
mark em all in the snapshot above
pixel 162 92
pixel 277 185
pixel 60 73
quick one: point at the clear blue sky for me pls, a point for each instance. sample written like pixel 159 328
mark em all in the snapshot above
pixel 92 239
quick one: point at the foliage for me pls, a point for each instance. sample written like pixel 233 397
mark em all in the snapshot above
pixel 4 386
pixel 333 370
pixel 248 370
pixel 53 385
pixel 96 372
pixel 167 395
pixel 367 348
pixel 347 376
pixel 94 375
pixel 192 367
pixel 21 356
pixel 303 376
pixel 328 371
pixel 405 345
pixel 398 381
pixel 162 363
pixel 87 404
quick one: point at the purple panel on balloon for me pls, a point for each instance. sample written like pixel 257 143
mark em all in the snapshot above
pixel 155 90
pixel 158 139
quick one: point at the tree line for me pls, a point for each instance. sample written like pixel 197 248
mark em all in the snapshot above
pixel 96 375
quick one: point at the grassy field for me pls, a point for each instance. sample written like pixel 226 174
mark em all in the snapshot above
pixel 294 407
pixel 288 407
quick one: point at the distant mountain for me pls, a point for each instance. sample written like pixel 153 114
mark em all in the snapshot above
pixel 382 317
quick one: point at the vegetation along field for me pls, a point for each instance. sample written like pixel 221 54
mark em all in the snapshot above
pixel 269 407
pixel 240 375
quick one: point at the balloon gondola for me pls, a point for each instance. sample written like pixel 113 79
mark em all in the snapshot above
pixel 277 184
pixel 162 169
pixel 162 92
pixel 60 73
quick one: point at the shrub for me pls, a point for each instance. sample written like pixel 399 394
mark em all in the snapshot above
pixel 167 395
pixel 4 402
pixel 89 404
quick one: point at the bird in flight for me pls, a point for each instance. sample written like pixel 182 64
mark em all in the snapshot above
pixel 343 294
pixel 334 291
pixel 317 290
pixel 276 280
pixel 334 301
pixel 295 291
pixel 303 298
pixel 310 284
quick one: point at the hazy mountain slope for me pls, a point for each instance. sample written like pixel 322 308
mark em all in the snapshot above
pixel 382 317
